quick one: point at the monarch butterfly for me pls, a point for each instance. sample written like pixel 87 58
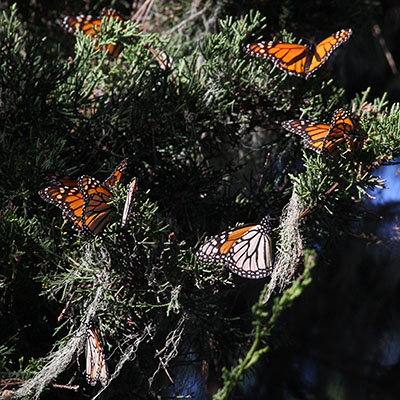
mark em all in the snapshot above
pixel 245 250
pixel 91 26
pixel 300 60
pixel 129 202
pixel 96 212
pixel 96 366
pixel 84 202
pixel 323 138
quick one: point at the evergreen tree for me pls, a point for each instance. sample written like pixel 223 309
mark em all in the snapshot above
pixel 200 124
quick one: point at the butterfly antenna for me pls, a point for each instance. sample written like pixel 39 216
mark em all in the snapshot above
pixel 67 306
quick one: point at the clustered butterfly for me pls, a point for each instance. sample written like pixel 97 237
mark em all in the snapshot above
pixel 92 26
pixel 297 59
pixel 246 250
pixel 129 202
pixel 84 201
pixel 302 61
pixel 96 365
pixel 324 138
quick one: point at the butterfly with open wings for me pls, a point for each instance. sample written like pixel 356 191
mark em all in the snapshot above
pixel 85 201
pixel 324 138
pixel 246 250
pixel 297 59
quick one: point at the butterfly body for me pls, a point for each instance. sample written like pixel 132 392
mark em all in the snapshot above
pixel 324 138
pixel 296 59
pixel 245 250
pixel 96 366
pixel 96 213
pixel 89 186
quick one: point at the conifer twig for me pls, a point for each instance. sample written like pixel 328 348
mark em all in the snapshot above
pixel 267 158
pixel 67 306
pixel 67 387
pixel 323 197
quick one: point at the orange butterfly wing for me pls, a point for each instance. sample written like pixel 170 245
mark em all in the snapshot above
pixel 313 133
pixel 292 58
pixel 117 173
pixel 246 250
pixel 91 26
pixel 61 180
pixel 324 49
pixel 89 185
pixel 68 199
pixel 323 138
pixel 88 24
pixel 297 59
pixel 96 211
pixel 342 128
pixel 96 366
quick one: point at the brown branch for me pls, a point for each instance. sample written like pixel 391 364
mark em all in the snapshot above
pixel 61 316
pixel 267 158
pixel 375 164
pixel 142 13
pixel 67 387
pixel 159 357
pixel 323 197
pixel 10 382
pixel 118 292
pixel 376 32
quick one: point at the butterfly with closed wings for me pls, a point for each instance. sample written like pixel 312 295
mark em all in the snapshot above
pixel 84 201
pixel 96 365
pixel 246 250
pixel 324 138
pixel 129 202
pixel 297 59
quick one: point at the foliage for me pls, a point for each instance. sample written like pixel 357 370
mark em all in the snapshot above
pixel 203 136
pixel 264 324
